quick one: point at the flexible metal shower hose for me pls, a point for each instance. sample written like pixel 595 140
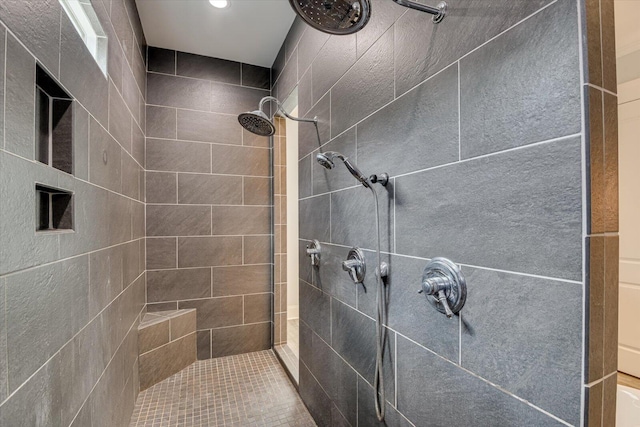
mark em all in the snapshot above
pixel 378 381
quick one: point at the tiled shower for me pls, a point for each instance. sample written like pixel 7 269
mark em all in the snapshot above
pixel 497 127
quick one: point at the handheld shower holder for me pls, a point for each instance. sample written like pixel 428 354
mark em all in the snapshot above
pixel 382 179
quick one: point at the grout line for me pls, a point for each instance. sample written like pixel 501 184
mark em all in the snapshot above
pixel 46 264
pixel 4 97
pixel 601 89
pixel 459 115
pixel 591 384
pixel 584 199
pixel 206 80
pixel 483 156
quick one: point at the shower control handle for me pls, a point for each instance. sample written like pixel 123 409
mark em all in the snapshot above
pixel 355 265
pixel 444 286
pixel 313 250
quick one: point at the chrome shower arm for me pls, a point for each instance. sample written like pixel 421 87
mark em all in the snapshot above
pixel 438 12
pixel 282 110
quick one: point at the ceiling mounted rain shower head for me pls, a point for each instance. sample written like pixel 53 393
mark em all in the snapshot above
pixel 343 17
pixel 334 16
pixel 257 122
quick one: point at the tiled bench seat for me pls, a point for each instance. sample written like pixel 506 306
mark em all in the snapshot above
pixel 166 344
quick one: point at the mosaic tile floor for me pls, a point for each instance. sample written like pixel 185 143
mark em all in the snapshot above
pixel 246 390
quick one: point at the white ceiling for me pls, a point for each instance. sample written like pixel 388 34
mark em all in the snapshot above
pixel 249 31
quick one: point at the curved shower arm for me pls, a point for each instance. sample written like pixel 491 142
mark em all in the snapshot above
pixel 284 113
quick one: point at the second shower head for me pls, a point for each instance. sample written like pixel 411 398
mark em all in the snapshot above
pixel 326 161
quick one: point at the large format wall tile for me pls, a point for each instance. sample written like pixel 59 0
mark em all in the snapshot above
pixel 45 313
pixel 422 49
pixel 178 156
pixel 19 97
pixel 209 189
pixel 162 187
pixel 353 218
pixel 514 204
pixel 337 378
pixel 334 59
pixel 3 42
pixel 216 312
pixel 530 336
pixel 501 102
pixel 353 336
pixel 240 339
pixel 170 285
pixel 446 384
pixel 308 47
pixel 417 131
pixel 240 220
pixel 178 220
pixel 209 251
pixel 161 253
pixel 315 398
pixel 239 280
pixel 351 98
pixel 204 67
pixel 37 25
pixel 181 92
pixel 318 306
pixel 161 60
pixel 240 160
pixel 209 127
pixel 233 99
pixel 161 122
pixel 254 76
pixel 4 387
pixel 314 218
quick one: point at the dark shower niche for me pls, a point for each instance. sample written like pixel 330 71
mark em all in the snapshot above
pixel 54 123
pixel 54 209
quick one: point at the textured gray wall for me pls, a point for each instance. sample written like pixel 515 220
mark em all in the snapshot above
pixel 479 123
pixel 208 189
pixel 70 302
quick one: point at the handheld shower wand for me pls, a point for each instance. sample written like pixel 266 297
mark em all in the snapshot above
pixel 326 160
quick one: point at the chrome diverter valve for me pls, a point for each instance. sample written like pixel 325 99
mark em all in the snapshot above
pixel 444 286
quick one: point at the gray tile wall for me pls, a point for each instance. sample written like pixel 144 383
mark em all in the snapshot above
pixel 70 302
pixel 208 189
pixel 478 120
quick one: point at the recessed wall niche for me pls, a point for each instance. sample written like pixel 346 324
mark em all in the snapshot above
pixel 54 123
pixel 54 209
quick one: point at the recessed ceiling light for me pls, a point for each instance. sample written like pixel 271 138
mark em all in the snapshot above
pixel 220 4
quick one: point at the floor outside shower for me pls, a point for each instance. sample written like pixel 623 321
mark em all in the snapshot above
pixel 244 390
